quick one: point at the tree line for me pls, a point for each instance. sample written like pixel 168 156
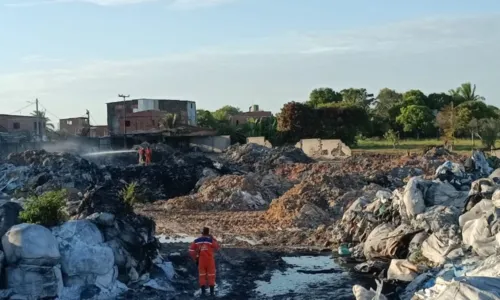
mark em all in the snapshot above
pixel 353 113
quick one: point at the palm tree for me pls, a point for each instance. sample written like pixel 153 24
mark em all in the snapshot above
pixel 465 92
pixel 169 121
pixel 49 127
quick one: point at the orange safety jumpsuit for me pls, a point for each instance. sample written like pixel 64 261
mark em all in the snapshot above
pixel 148 156
pixel 141 155
pixel 202 249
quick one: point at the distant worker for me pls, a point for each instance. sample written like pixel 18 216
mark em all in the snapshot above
pixel 141 155
pixel 147 153
pixel 202 251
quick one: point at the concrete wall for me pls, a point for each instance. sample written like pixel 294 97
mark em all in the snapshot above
pixel 13 123
pixel 211 143
pixel 191 113
pixel 259 140
pixel 72 125
pixel 243 118
pixel 318 148
pixel 178 107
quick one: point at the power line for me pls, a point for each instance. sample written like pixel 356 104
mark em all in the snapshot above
pixel 93 119
pixel 21 109
pixel 48 111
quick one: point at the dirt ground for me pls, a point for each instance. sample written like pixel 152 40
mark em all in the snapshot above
pixel 249 229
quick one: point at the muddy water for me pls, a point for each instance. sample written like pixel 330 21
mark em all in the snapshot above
pixel 244 273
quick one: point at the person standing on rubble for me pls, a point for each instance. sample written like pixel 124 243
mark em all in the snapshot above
pixel 202 251
pixel 141 155
pixel 148 152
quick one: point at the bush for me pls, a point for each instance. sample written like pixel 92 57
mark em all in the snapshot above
pixel 47 209
pixel 129 194
pixel 392 137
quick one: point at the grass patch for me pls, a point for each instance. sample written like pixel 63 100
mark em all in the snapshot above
pixel 373 145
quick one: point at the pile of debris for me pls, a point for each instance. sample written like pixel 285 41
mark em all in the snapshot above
pixel 42 171
pixel 232 192
pixel 429 229
pixel 176 176
pixel 104 247
pixel 314 201
pixel 253 157
pixel 98 252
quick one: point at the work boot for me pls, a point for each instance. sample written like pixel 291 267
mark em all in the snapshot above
pixel 203 290
pixel 212 290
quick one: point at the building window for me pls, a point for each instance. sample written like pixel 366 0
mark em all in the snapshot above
pixel 237 122
pixel 35 127
pixel 127 123
pixel 69 122
pixel 191 105
pixel 16 125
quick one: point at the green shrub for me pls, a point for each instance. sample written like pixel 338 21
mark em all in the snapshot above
pixel 129 194
pixel 47 209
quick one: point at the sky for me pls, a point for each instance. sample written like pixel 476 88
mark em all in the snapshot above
pixel 75 55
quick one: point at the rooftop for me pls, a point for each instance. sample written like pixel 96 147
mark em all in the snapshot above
pixel 15 116
pixel 75 118
pixel 259 113
pixel 121 101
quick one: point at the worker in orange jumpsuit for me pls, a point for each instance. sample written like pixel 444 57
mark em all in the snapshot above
pixel 141 155
pixel 148 152
pixel 202 251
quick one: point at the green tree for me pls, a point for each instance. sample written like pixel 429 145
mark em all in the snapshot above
pixel 488 131
pixel 416 118
pixel 386 99
pixel 414 97
pixel 464 93
pixel 205 118
pixel 357 97
pixel 438 100
pixel 479 109
pixel 447 122
pixel 225 112
pixel 323 96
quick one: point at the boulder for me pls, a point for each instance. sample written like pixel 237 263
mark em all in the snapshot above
pixel 30 244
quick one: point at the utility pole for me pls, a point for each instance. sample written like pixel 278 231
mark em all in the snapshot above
pixel 124 120
pixel 38 133
pixel 88 117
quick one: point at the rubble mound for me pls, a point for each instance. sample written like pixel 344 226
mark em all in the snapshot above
pixel 43 171
pixel 172 178
pixel 313 201
pixel 232 192
pixel 131 235
pixel 253 157
pixel 438 151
